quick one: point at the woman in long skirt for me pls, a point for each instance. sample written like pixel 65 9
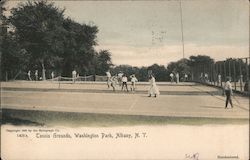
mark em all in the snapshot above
pixel 153 90
pixel 113 81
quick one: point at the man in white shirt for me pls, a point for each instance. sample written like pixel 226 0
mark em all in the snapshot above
pixel 36 75
pixel 120 74
pixel 52 75
pixel 186 77
pixel 206 77
pixel 29 74
pixel 124 82
pixel 153 89
pixel 74 76
pixel 228 92
pixel 219 79
pixel 177 77
pixel 108 74
pixel 172 77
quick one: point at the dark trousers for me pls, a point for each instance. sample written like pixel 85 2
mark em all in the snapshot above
pixel 228 99
pixel 113 86
pixel 124 84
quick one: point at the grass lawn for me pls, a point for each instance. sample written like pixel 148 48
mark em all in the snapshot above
pixel 71 119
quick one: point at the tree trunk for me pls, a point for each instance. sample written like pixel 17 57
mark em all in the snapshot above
pixel 6 76
pixel 19 72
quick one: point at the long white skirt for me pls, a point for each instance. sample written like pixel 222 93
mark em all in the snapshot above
pixel 153 90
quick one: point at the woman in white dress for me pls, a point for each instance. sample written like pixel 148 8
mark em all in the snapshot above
pixel 113 81
pixel 153 90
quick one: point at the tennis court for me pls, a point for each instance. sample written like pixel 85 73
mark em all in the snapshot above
pixel 93 108
pixel 176 100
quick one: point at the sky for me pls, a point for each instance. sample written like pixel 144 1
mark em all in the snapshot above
pixel 141 33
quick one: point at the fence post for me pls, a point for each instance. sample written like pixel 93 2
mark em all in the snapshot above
pixel 211 73
pixel 241 76
pixel 217 74
pixel 225 71
pixel 235 87
pixel 201 71
pixel 229 69
pixel 247 70
pixel 214 73
pixel 221 73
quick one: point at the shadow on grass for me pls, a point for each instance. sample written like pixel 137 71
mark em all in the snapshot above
pixel 213 107
pixel 71 119
pixel 7 119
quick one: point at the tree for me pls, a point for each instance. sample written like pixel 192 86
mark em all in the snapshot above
pixel 13 59
pixel 200 64
pixel 53 41
pixel 103 62
pixel 37 27
pixel 126 69
pixel 78 45
pixel 181 66
pixel 140 73
pixel 3 32
pixel 195 61
pixel 143 74
pixel 159 71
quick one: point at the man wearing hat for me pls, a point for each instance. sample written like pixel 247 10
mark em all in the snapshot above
pixel 228 92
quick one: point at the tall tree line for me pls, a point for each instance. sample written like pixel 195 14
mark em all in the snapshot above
pixel 40 37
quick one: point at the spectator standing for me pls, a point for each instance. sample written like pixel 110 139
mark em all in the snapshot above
pixel 29 75
pixel 36 75
pixel 74 76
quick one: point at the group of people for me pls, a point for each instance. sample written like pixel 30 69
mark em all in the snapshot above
pixel 204 77
pixel 35 74
pixel 121 80
pixel 175 77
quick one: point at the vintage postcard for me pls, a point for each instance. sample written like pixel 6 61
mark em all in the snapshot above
pixel 125 80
